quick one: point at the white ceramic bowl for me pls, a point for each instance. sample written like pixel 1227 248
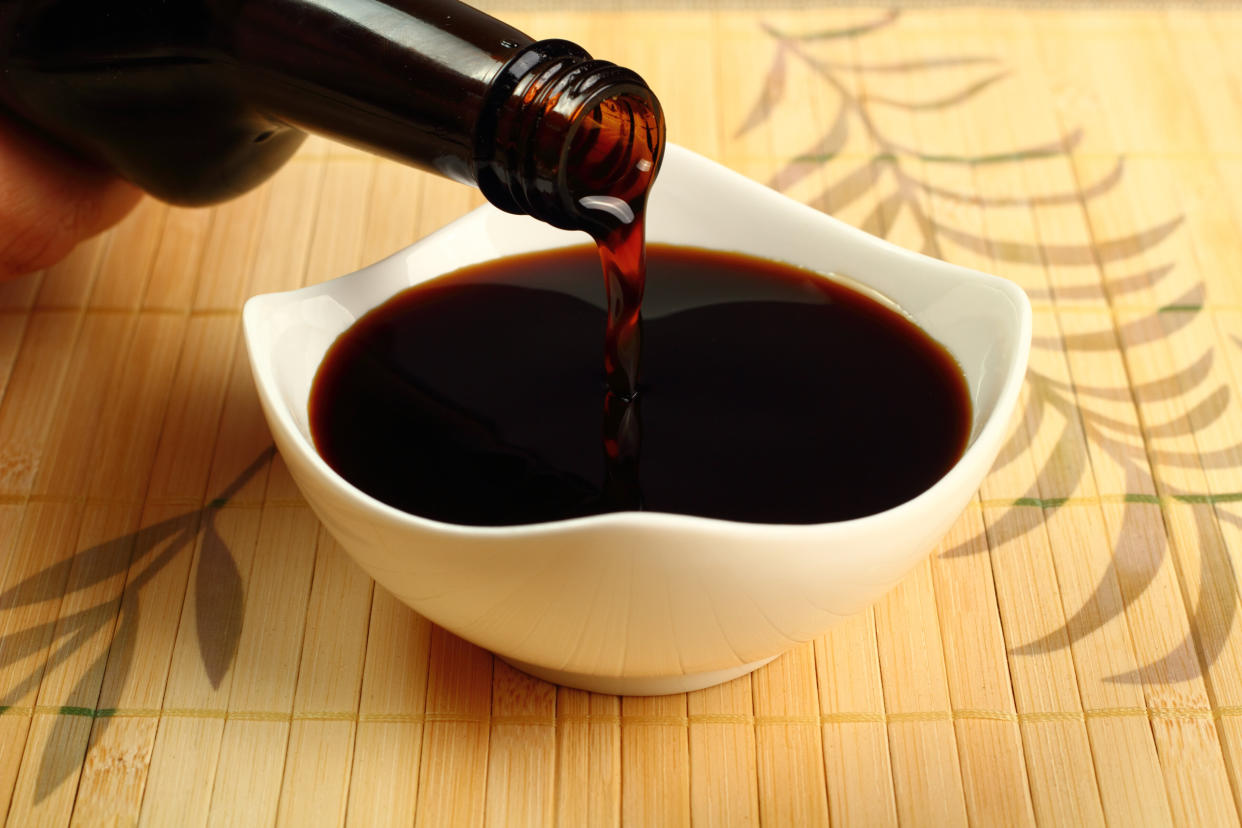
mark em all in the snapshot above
pixel 645 603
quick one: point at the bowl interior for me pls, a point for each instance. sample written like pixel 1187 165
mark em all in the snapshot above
pixel 982 320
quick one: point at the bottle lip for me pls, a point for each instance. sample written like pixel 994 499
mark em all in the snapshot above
pixel 612 82
pixel 492 164
pixel 531 114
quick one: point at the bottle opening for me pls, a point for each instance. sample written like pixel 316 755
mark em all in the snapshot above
pixel 613 154
pixel 570 140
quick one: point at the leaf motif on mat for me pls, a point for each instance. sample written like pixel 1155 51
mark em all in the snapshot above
pixel 881 98
pixel 886 19
pixel 773 93
pixel 158 544
pixel 72 734
pixel 219 604
pixel 953 98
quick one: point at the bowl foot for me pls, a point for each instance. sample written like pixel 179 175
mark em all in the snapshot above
pixel 637 685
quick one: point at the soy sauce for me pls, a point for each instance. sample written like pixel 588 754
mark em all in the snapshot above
pixel 768 394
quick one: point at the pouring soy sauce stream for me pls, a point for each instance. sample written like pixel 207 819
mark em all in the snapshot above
pixel 622 146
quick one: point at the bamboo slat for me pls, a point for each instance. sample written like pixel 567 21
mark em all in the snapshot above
pixel 181 643
pixel 315 786
pixel 588 755
pixel 383 785
pixel 724 779
pixel 787 742
pixel 453 770
pixel 857 763
pixel 655 748
pixel 521 754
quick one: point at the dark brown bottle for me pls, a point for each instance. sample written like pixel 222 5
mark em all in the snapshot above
pixel 196 101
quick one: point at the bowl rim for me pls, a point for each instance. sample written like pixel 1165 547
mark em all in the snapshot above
pixel 980 449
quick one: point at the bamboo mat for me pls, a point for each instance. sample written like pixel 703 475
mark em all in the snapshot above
pixel 182 644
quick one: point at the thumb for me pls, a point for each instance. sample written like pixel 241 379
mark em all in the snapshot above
pixel 50 200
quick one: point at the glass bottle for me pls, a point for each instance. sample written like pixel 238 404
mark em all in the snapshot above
pixel 196 101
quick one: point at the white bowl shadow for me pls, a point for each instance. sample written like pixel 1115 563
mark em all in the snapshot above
pixel 643 602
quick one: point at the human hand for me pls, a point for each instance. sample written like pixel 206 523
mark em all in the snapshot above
pixel 51 200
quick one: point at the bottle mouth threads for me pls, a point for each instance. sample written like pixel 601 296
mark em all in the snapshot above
pixel 567 139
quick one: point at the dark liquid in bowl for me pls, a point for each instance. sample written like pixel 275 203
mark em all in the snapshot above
pixel 767 394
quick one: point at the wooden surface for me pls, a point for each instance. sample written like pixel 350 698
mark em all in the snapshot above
pixel 182 644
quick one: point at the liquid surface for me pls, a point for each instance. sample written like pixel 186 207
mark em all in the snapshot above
pixel 768 394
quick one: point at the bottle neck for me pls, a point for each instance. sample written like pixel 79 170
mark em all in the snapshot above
pixel 406 79
pixel 198 100
pixel 537 126
pixel 568 139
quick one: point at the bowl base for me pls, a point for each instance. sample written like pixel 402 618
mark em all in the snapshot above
pixel 637 685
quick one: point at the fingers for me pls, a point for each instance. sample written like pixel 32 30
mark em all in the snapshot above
pixel 50 201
